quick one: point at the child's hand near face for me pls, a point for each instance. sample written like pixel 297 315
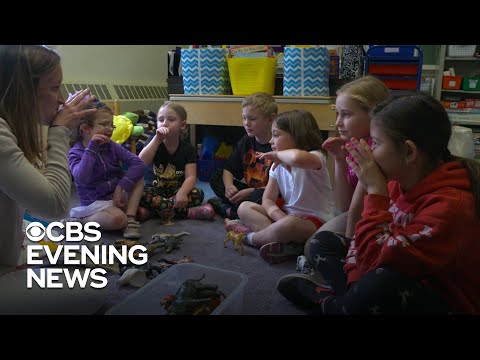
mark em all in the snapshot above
pixel 100 138
pixel 162 133
pixel 334 146
pixel 368 172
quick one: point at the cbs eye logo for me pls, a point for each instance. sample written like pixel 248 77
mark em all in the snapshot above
pixel 74 231
pixel 35 231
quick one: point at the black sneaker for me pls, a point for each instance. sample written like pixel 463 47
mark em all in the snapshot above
pixel 219 206
pixel 304 290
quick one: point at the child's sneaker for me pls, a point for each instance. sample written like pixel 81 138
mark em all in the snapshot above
pixel 132 231
pixel 236 226
pixel 304 290
pixel 203 212
pixel 275 252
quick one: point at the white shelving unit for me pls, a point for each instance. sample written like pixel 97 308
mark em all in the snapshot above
pixel 464 118
pixel 463 66
pixel 429 67
pixel 436 70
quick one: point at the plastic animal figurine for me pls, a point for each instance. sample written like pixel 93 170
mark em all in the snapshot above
pixel 163 236
pixel 237 241
pixel 191 297
pixel 169 242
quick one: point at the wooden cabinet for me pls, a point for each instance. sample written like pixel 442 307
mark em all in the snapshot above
pixel 226 110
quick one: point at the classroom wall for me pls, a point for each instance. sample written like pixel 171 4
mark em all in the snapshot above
pixel 115 63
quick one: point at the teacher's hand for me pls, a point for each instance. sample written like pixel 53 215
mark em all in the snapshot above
pixel 73 110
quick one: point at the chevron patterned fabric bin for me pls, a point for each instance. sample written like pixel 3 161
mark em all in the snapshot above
pixel 306 71
pixel 205 72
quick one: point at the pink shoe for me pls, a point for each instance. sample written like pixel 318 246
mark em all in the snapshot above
pixel 203 212
pixel 236 226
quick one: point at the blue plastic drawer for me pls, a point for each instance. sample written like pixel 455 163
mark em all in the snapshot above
pixel 392 50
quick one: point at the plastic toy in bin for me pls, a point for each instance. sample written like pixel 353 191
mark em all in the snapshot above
pixel 146 300
pixel 193 298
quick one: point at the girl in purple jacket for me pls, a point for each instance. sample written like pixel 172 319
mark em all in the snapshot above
pixel 108 194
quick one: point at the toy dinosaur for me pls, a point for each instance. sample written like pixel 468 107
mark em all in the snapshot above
pixel 237 241
pixel 162 236
pixel 193 297
pixel 168 241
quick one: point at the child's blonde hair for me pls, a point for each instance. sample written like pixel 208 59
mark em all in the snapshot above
pixel 179 109
pixel 262 101
pixel 367 91
pixel 303 127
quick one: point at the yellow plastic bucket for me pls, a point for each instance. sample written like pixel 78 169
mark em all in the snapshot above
pixel 250 75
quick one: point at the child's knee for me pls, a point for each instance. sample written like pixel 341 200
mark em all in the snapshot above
pixel 245 207
pixel 119 220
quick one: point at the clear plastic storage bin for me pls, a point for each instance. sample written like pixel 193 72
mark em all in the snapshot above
pixel 146 300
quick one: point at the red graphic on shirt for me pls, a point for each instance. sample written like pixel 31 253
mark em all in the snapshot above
pixel 256 171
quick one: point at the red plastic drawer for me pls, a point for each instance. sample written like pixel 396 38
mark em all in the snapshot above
pixel 400 84
pixel 393 69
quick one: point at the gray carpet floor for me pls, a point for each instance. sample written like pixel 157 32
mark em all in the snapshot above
pixel 205 246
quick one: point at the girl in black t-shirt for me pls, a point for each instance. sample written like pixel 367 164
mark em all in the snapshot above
pixel 174 168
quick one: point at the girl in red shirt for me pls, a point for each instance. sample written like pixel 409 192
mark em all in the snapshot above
pixel 415 248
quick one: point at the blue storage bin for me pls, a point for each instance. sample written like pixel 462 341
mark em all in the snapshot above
pixel 205 169
pixel 209 147
pixel 392 50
